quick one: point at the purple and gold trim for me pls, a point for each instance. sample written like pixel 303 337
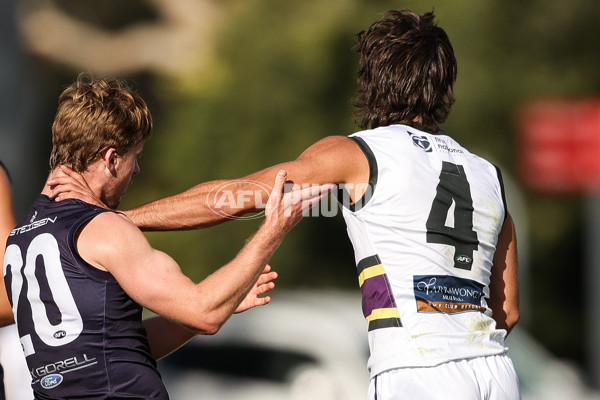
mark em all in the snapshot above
pixel 379 306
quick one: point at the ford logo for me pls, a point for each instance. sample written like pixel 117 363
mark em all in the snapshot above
pixel 51 381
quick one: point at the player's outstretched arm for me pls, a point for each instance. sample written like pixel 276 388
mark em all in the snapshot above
pixel 335 159
pixel 504 287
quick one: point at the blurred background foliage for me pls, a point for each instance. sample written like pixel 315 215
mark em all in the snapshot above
pixel 259 81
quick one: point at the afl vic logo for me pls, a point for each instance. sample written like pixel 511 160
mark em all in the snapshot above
pixel 422 142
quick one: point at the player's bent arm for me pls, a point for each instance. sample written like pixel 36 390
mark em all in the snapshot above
pixel 154 280
pixel 112 242
pixel 335 159
pixel 504 284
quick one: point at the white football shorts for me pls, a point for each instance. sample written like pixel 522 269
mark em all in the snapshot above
pixel 481 378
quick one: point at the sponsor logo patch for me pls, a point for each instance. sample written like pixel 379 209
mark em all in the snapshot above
pixel 51 381
pixel 447 294
pixel 422 142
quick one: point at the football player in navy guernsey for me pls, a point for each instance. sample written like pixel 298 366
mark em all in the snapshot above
pixel 78 275
pixel 434 243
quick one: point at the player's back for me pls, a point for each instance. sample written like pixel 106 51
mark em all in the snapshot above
pixel 81 333
pixel 424 241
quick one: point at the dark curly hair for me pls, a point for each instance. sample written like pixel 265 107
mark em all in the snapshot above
pixel 406 72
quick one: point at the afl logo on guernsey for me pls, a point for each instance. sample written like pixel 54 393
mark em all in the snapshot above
pixel 60 334
pixel 51 381
pixel 422 142
pixel 464 260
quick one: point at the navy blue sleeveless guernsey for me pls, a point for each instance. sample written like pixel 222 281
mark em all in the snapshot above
pixel 82 335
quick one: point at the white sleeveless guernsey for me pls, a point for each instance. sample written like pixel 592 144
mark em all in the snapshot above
pixel 424 236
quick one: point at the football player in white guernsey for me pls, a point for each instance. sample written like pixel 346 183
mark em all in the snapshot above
pixel 434 243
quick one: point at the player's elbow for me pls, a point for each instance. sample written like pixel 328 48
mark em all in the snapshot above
pixel 209 324
pixel 512 318
pixel 506 317
pixel 211 329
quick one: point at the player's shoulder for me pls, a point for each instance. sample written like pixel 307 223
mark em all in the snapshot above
pixel 112 218
pixel 106 235
pixel 332 148
pixel 452 145
pixel 334 142
pixel 108 226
